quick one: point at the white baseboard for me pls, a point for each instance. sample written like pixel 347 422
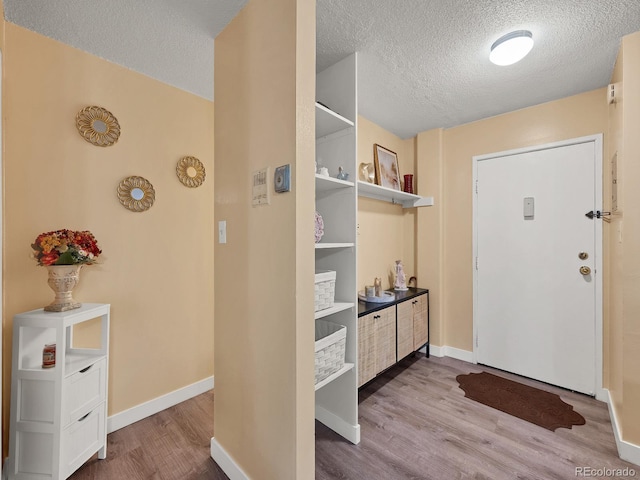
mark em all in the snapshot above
pixel 627 451
pixel 225 462
pixel 144 410
pixel 338 425
pixel 452 352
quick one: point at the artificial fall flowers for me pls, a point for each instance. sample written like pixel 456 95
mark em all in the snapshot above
pixel 66 247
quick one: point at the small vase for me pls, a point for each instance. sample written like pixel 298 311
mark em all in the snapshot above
pixel 62 280
pixel 408 183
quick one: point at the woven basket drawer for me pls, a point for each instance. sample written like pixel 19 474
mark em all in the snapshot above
pixel 325 284
pixel 329 348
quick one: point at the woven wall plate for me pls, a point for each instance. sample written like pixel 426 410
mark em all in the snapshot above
pixel 136 194
pixel 190 171
pixel 98 126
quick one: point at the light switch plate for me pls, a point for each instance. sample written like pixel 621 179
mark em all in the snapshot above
pixel 528 208
pixel 222 231
pixel 282 179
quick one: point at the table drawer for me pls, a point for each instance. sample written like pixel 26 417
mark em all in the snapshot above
pixel 83 391
pixel 84 437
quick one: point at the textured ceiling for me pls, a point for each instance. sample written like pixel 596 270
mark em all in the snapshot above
pixel 170 40
pixel 422 63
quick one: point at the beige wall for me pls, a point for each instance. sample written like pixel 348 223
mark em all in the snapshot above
pixel 2 25
pixel 157 267
pixel 264 275
pixel 430 230
pixel 624 345
pixel 571 117
pixel 386 232
pixel 613 348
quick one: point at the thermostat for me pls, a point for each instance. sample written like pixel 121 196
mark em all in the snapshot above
pixel 282 179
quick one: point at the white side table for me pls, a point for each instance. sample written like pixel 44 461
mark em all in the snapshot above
pixel 58 415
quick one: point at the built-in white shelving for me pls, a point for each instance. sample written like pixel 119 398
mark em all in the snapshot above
pixel 333 376
pixel 324 246
pixel 407 200
pixel 337 307
pixel 326 184
pixel 328 121
pixel 336 202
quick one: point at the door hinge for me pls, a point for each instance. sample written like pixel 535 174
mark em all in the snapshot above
pixel 476 263
pixel 476 340
pixel 476 186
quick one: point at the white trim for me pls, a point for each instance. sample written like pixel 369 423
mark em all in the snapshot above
pixel 597 140
pixel 446 351
pixel 338 425
pixel 144 410
pixel 225 462
pixel 626 450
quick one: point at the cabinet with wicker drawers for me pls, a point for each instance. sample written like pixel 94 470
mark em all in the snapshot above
pixel 412 325
pixel 376 343
pixel 389 332
pixel 58 414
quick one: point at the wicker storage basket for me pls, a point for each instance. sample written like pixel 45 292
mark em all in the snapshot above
pixel 330 344
pixel 325 289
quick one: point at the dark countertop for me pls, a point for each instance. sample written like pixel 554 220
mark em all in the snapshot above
pixel 364 308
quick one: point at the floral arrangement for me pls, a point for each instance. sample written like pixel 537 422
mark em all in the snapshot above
pixel 66 247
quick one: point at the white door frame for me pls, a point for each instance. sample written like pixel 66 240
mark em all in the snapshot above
pixel 597 141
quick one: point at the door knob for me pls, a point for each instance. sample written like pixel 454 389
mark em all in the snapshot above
pixel 584 270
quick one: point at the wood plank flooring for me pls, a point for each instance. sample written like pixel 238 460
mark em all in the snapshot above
pixel 415 424
pixel 171 445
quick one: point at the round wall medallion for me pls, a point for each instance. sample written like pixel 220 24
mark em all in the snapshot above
pixel 98 126
pixel 190 171
pixel 136 194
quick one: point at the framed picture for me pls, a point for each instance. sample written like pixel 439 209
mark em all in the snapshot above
pixel 387 171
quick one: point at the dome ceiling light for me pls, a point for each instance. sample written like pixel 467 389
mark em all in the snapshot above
pixel 511 48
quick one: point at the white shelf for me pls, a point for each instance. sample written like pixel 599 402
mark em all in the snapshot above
pixel 77 361
pixel 333 376
pixel 328 121
pixel 322 246
pixel 337 307
pixel 326 184
pixel 407 200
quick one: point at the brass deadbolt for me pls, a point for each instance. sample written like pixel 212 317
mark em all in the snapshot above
pixel 584 270
pixel 583 255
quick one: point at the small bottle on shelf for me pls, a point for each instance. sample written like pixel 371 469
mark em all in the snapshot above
pixel 49 355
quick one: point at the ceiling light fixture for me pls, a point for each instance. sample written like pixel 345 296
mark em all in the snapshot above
pixel 511 48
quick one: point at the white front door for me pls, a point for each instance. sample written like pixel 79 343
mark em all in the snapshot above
pixel 535 309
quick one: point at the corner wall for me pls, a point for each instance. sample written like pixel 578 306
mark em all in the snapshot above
pixel 264 275
pixel 386 232
pixel 157 267
pixel 624 339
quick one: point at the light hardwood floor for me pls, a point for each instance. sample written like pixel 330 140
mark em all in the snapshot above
pixel 415 424
pixel 171 445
